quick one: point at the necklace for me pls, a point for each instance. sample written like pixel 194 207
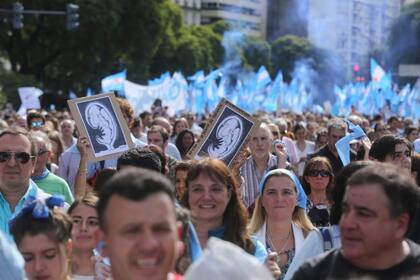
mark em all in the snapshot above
pixel 271 243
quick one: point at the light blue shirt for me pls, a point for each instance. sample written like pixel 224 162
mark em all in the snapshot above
pixel 6 213
pixel 11 261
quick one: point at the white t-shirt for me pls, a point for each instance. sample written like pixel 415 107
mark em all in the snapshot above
pixel 309 149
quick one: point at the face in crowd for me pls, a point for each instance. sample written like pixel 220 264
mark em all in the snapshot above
pixel 16 162
pixel 144 245
pixel 260 143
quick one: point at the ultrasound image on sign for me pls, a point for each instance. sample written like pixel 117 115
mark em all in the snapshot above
pixel 229 132
pixel 104 131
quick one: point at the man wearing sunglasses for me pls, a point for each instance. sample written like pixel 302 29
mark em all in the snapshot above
pixel 35 121
pixel 17 161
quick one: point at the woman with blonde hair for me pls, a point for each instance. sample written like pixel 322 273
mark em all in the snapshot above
pixel 279 220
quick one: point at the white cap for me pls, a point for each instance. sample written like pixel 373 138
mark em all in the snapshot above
pixel 223 260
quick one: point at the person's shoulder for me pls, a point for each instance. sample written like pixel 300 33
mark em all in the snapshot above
pixel 57 179
pixel 318 266
pixel 414 249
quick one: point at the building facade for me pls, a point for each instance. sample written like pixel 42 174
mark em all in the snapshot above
pixel 249 16
pixel 191 10
pixel 351 28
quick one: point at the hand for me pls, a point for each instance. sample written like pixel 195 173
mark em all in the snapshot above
pixel 102 271
pixel 239 161
pixel 272 265
pixel 82 145
pixel 281 153
pixel 367 144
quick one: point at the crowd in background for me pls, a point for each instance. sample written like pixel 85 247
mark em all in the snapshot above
pixel 281 200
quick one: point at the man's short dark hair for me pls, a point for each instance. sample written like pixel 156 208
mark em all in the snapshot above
pixel 140 157
pixel 391 119
pixel 133 184
pixel 144 114
pixel 386 146
pixel 399 188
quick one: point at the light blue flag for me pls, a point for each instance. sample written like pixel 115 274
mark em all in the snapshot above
pixel 72 95
pixel 159 80
pixel 376 71
pixel 262 78
pixel 198 76
pixel 89 92
pixel 114 82
pixel 343 145
pixel 270 103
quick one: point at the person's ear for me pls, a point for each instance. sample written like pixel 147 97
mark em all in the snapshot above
pixel 402 223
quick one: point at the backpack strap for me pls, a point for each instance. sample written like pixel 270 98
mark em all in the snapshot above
pixel 326 236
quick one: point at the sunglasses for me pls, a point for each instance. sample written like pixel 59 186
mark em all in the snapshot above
pixel 41 152
pixel 20 157
pixel 316 173
pixel 37 124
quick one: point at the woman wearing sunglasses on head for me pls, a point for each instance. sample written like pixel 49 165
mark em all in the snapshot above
pixel 317 181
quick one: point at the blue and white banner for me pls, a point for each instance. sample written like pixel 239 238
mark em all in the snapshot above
pixel 114 82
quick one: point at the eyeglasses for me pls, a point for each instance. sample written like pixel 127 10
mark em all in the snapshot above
pixel 21 157
pixel 41 152
pixel 400 155
pixel 37 124
pixel 316 173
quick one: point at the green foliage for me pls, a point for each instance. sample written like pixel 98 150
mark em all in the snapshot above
pixel 145 37
pixel 10 82
pixel 286 50
pixel 257 52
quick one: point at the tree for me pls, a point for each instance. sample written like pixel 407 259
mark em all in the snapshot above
pixel 257 52
pixel 286 50
pixel 113 35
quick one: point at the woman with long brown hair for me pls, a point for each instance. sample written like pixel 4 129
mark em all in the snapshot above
pixel 216 209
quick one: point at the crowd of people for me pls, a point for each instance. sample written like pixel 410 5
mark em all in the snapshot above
pixel 155 212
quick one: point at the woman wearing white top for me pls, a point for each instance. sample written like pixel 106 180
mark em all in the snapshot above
pixel 279 220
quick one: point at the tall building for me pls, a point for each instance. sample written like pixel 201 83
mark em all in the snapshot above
pixel 247 15
pixel 191 10
pixel 286 17
pixel 351 28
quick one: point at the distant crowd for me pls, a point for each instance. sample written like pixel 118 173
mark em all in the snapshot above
pixel 286 208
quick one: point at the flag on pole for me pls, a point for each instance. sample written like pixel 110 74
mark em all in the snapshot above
pixel 114 82
pixel 376 71
pixel 263 78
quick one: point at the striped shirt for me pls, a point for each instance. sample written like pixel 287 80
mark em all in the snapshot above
pixel 250 174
